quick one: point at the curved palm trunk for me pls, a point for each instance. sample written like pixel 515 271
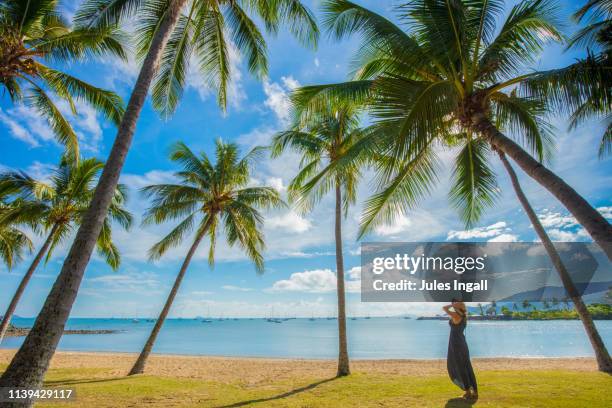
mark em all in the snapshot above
pixel 601 353
pixel 343 358
pixel 139 365
pixel 8 315
pixel 29 365
pixel 596 225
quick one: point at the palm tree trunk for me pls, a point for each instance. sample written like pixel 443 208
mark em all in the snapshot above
pixel 343 358
pixel 29 365
pixel 8 315
pixel 601 353
pixel 595 224
pixel 139 365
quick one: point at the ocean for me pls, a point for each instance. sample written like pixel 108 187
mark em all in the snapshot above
pixel 374 338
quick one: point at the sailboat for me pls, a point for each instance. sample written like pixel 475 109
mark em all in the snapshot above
pixel 207 319
pixel 273 319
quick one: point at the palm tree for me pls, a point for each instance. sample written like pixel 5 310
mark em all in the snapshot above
pixel 322 138
pixel 450 75
pixel 584 88
pixel 57 207
pixel 13 241
pixel 207 195
pixel 602 356
pixel 34 34
pixel 167 38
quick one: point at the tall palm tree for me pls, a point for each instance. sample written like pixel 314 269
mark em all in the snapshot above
pixel 58 207
pixel 322 138
pixel 584 88
pixel 33 35
pixel 206 196
pixel 602 356
pixel 447 75
pixel 166 37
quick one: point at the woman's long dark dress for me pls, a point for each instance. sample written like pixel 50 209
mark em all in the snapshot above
pixel 458 361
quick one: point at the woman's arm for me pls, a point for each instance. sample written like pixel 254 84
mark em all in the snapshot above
pixel 456 317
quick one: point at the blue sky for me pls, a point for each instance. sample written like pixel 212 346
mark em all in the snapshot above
pixel 300 266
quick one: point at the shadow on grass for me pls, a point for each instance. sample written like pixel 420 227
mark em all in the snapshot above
pixel 279 396
pixel 459 403
pixel 84 381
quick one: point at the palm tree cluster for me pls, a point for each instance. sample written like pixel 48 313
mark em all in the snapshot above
pixel 446 77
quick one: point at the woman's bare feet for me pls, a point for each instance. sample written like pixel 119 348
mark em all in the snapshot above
pixel 470 394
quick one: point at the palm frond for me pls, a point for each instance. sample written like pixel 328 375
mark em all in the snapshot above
pixel 248 39
pixel 38 99
pixel 474 185
pixel 529 26
pixel 400 187
pixel 169 81
pixel 105 13
pixel 523 118
pixel 106 102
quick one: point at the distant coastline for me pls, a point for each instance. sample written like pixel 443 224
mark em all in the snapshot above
pixel 599 311
pixel 22 331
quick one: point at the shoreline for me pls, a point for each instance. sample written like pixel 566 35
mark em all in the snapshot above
pixel 232 368
pixel 296 358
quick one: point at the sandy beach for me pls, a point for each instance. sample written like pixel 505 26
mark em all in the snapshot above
pixel 257 370
pixel 99 380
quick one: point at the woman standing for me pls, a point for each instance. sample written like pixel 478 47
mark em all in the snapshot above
pixel 458 360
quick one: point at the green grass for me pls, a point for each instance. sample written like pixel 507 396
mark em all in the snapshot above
pixel 497 389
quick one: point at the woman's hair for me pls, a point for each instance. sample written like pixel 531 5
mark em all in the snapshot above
pixel 462 306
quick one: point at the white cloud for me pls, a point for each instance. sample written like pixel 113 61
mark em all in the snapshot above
pixel 236 288
pixel 551 219
pixel 276 183
pixel 505 238
pixel 490 231
pixel 17 131
pixel 201 293
pixel 606 212
pixel 564 227
pixel 127 281
pixel 401 224
pixel 418 225
pixel 316 62
pixel 277 97
pixel 138 181
pixel 317 281
pixel 561 235
pixel 290 221
pixel 28 125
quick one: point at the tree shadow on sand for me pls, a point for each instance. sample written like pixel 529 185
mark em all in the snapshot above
pixel 459 403
pixel 279 396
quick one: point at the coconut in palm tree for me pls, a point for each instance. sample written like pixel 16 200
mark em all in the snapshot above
pixel 448 74
pixel 34 36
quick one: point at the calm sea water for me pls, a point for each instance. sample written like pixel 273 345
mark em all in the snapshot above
pixel 375 338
